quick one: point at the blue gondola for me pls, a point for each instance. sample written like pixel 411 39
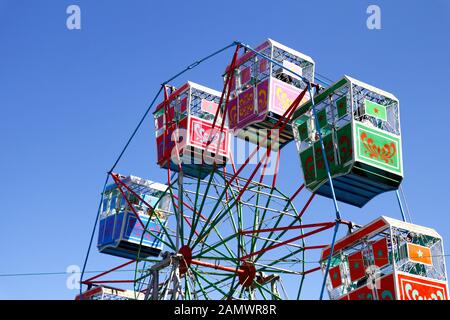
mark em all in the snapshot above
pixel 120 231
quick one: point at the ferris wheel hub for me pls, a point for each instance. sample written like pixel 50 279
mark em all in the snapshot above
pixel 186 260
pixel 247 273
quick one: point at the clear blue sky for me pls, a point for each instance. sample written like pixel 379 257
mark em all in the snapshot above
pixel 69 100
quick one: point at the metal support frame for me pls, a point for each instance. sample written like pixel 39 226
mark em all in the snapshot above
pixel 400 205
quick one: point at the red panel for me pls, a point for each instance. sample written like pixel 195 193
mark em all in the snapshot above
pixel 380 252
pixel 245 75
pixel 160 148
pixel 168 143
pixel 160 121
pixel 263 64
pixel 418 288
pixel 356 266
pixel 335 276
pixel 232 113
pixel 170 114
pixel 363 293
pixel 386 291
pixel 183 105
pixel 232 83
pixel 165 143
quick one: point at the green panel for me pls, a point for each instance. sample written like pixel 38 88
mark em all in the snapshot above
pixel 345 145
pixel 378 148
pixel 307 160
pixel 375 110
pixel 302 127
pixel 341 106
pixel 321 171
pixel 322 118
pixel 303 131
pixel 320 166
pixel 313 165
pixel 331 156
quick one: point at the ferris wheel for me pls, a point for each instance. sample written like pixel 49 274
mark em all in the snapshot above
pixel 224 229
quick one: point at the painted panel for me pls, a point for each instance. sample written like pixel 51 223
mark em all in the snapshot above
pixel 345 145
pixel 356 266
pixel 378 148
pixel 134 231
pixel 160 148
pixel 375 110
pixel 302 129
pixel 420 254
pixel 321 172
pixel 385 290
pixel 263 65
pixel 164 142
pixel 363 293
pixel 101 232
pixel 200 132
pixel 380 252
pixel 168 143
pixel 418 288
pixel 232 108
pixel 308 165
pixel 315 173
pixel 242 110
pixel 263 92
pixel 322 118
pixel 112 232
pixel 341 106
pixel 246 105
pixel 335 276
pixel 282 95
pixel 184 103
pixel 245 75
pixel 209 106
